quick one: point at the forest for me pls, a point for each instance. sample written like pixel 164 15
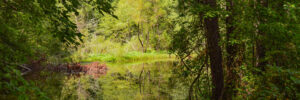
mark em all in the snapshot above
pixel 149 49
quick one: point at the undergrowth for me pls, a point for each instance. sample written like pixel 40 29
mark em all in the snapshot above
pixel 127 57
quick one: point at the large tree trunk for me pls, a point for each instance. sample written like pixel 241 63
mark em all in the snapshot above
pixel 214 52
pixel 260 47
pixel 231 49
pixel 260 55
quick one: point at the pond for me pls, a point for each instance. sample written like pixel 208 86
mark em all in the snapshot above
pixel 154 80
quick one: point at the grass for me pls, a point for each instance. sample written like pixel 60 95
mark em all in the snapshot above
pixel 133 56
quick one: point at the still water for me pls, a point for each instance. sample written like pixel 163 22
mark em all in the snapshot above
pixel 154 80
pixel 149 81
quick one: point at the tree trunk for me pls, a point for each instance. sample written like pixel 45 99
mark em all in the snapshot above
pixel 231 49
pixel 129 30
pixel 139 37
pixel 158 39
pixel 148 36
pixel 260 47
pixel 214 52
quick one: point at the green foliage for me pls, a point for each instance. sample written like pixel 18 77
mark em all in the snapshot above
pixel 109 39
pixel 127 57
pixel 274 83
pixel 99 49
pixel 32 28
pixel 150 19
pixel 272 24
pixel 280 83
pixel 265 44
pixel 17 85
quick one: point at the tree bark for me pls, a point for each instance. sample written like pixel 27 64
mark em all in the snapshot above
pixel 158 40
pixel 148 36
pixel 214 52
pixel 139 37
pixel 231 49
pixel 260 47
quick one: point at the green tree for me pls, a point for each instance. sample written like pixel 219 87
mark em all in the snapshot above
pixel 32 28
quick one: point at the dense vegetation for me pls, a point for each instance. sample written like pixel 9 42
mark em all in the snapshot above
pixel 141 27
pixel 227 49
pixel 251 47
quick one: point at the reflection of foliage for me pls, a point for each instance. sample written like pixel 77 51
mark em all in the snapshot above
pixel 125 81
pixel 31 28
pixel 82 88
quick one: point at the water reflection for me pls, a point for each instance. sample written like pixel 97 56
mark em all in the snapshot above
pixel 142 81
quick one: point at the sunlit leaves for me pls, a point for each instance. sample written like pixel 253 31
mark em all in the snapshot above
pixel 32 27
